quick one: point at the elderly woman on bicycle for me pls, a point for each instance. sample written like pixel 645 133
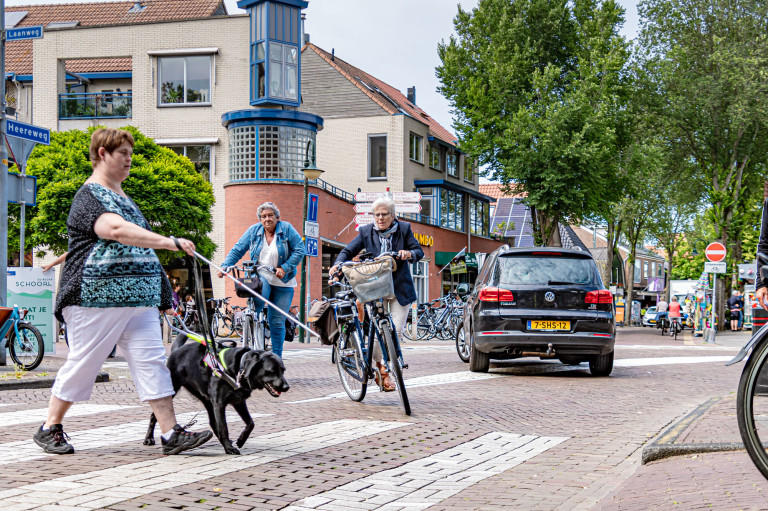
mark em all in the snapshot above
pixel 276 243
pixel 387 234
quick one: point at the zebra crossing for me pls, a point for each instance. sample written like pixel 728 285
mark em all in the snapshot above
pixel 417 484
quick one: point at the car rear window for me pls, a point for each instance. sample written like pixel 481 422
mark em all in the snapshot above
pixel 545 270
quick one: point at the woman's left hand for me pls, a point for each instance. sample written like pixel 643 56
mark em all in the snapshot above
pixel 405 255
pixel 280 273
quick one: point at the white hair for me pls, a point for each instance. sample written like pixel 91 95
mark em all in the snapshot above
pixel 387 202
pixel 268 205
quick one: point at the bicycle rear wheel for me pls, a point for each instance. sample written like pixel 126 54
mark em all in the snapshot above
pixel 351 367
pixel 752 407
pixel 258 335
pixel 26 349
pixel 424 325
pixel 247 332
pixel 394 364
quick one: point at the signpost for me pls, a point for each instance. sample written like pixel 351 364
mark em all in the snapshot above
pixel 400 207
pixel 715 253
pixel 405 202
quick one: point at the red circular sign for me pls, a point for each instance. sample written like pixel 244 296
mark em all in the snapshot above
pixel 715 252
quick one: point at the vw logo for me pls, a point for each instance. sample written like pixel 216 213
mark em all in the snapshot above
pixel 549 296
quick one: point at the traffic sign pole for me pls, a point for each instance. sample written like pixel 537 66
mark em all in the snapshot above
pixel 3 172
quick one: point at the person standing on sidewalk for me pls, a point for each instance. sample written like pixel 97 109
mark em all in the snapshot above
pixel 112 285
pixel 734 308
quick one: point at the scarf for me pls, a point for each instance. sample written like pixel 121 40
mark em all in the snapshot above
pixel 385 237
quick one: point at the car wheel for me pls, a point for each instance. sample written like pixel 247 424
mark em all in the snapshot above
pixel 478 361
pixel 463 343
pixel 601 365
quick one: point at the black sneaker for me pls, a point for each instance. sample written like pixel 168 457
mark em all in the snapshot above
pixel 53 440
pixel 182 440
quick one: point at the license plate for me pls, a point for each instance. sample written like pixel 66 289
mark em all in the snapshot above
pixel 549 325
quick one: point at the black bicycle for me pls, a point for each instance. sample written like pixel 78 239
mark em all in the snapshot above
pixel 370 282
pixel 752 396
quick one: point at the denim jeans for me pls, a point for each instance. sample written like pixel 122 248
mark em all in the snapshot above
pixel 282 297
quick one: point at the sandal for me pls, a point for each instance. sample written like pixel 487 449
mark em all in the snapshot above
pixel 386 385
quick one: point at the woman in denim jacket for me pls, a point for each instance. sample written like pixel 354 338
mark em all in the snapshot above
pixel 272 243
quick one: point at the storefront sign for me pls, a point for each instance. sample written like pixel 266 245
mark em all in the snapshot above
pixel 458 267
pixel 424 240
pixel 32 289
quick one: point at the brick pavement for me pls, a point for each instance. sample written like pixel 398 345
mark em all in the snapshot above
pixel 606 422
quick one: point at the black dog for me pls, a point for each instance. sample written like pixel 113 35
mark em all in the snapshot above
pixel 252 369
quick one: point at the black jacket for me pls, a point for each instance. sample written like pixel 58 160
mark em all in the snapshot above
pixel 762 247
pixel 402 239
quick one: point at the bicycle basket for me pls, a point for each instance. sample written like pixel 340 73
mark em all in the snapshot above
pixel 372 280
pixel 5 313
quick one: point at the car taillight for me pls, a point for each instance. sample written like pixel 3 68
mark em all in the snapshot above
pixel 496 294
pixel 599 296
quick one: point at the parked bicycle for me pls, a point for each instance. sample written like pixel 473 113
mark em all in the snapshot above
pixel 255 323
pixel 25 342
pixel 752 396
pixel 222 322
pixel 369 281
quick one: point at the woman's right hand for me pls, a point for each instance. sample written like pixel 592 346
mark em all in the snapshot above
pixel 182 244
pixel 332 277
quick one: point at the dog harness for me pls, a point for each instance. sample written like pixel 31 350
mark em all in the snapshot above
pixel 217 366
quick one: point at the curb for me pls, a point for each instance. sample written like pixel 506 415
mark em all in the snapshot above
pixel 664 446
pixel 42 383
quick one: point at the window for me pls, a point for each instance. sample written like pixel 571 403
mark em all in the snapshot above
pixel 283 71
pixel 185 80
pixel 200 155
pixel 420 274
pixel 416 148
pixel 479 217
pixel 428 201
pixel 514 270
pixel 645 269
pixel 469 170
pixel 434 157
pixel 268 152
pixel 659 270
pixel 451 209
pixel 377 156
pixel 451 163
pixel 637 271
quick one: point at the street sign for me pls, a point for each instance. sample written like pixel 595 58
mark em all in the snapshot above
pixel 311 247
pixel 312 207
pixel 22 189
pixel 715 252
pixel 311 229
pixel 363 219
pixel 400 207
pixel 17 34
pixel 29 132
pixel 396 196
pixel 714 267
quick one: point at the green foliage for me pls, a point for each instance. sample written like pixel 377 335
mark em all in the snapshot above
pixel 686 264
pixel 539 92
pixel 172 195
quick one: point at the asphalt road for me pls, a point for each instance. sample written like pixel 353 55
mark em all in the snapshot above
pixel 530 434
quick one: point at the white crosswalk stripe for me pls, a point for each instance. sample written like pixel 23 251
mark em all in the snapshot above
pixel 106 436
pixel 428 481
pixel 40 414
pixel 101 488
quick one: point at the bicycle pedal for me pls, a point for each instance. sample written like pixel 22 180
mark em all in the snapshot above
pixel 405 366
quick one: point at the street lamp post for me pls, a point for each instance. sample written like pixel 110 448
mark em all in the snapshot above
pixel 310 172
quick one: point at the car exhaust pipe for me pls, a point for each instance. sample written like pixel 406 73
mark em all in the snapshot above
pixel 517 352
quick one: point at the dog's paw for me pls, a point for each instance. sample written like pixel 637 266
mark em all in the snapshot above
pixel 149 441
pixel 232 450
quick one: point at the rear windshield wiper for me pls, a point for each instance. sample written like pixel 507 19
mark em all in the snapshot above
pixel 561 283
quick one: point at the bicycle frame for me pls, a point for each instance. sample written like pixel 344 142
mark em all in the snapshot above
pixel 13 321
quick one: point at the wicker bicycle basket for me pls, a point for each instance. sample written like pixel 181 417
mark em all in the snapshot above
pixel 372 280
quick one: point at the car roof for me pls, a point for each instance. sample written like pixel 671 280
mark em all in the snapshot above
pixel 507 250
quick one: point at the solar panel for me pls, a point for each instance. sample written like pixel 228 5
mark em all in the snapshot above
pixel 14 18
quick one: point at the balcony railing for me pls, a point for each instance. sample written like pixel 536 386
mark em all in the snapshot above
pixel 95 105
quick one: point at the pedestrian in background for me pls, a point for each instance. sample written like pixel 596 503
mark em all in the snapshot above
pixel 112 285
pixel 735 310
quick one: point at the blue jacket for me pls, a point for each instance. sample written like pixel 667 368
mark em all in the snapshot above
pixel 402 239
pixel 290 248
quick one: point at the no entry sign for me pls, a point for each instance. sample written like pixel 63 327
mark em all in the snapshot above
pixel 715 252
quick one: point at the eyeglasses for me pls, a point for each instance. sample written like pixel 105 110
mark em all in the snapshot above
pixel 381 215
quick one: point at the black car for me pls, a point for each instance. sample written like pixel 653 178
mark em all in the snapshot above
pixel 540 302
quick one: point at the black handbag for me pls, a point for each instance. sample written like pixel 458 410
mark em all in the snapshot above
pixel 243 285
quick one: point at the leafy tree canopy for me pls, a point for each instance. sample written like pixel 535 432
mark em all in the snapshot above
pixel 172 195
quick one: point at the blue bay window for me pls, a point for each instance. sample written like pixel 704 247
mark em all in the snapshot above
pixel 450 206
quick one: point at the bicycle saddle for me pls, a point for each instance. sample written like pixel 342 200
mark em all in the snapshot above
pixel 343 295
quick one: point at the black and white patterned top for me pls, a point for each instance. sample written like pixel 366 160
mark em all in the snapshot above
pixel 104 273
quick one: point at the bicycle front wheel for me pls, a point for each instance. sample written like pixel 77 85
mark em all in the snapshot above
pixel 752 407
pixel 394 364
pixel 258 335
pixel 247 332
pixel 351 367
pixel 424 325
pixel 26 349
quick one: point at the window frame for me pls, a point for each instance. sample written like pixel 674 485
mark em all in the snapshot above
pixel 414 137
pixel 434 149
pixel 370 157
pixel 185 147
pixel 469 172
pixel 184 103
pixel 452 156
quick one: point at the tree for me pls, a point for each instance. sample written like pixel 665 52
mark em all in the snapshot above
pixel 538 88
pixel 172 195
pixel 709 61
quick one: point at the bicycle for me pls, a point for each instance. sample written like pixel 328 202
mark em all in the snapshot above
pixel 370 282
pixel 675 327
pixel 752 396
pixel 25 342
pixel 253 337
pixel 222 323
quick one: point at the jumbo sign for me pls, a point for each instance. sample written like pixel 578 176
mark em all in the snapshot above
pixel 424 240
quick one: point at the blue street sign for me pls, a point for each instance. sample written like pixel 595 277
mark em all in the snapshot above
pixel 16 34
pixel 28 132
pixel 312 247
pixel 312 207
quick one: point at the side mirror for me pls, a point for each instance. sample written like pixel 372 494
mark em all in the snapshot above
pixel 462 289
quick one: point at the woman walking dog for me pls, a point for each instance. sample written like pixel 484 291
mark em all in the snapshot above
pixel 112 285
pixel 276 243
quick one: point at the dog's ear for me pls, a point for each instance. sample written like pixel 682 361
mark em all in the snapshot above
pixel 251 367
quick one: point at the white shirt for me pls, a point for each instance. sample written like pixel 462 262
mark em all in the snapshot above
pixel 269 257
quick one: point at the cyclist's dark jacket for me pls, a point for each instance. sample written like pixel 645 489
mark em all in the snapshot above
pixel 402 239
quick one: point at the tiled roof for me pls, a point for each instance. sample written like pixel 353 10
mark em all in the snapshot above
pixel 497 191
pixel 99 65
pixel 18 56
pixel 386 96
